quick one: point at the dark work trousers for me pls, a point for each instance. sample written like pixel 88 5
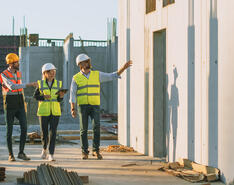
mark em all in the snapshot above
pixel 92 111
pixel 20 114
pixel 45 121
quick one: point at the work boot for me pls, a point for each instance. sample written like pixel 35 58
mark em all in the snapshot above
pixel 98 155
pixel 85 155
pixel 11 158
pixel 23 156
pixel 51 157
pixel 43 154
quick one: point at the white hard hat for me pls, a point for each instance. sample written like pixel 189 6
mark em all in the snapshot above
pixel 81 57
pixel 47 67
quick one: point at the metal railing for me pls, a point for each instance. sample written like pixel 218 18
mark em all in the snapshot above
pixel 86 43
pixel 43 42
pixel 50 42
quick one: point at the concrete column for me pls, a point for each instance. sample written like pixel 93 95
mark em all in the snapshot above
pixel 24 54
pixel 191 80
pixel 128 76
pixel 67 69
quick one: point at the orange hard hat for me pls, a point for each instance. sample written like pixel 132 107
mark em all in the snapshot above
pixel 11 58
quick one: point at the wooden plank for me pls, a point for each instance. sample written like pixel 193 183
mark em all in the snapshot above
pixel 129 164
pixel 206 170
pixel 112 137
pixel 198 167
pixel 212 177
pixel 174 165
pixel 70 132
pixel 185 163
pixel 85 179
pixel 53 175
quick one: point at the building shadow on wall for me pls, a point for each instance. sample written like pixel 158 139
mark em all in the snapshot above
pixel 191 81
pixel 174 104
pixel 213 87
pixel 168 119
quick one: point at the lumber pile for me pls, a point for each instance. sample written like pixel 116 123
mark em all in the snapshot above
pixel 2 173
pixel 103 137
pixel 65 135
pixel 49 175
pixel 191 171
pixel 112 129
pixel 118 148
pixel 34 137
pixel 109 117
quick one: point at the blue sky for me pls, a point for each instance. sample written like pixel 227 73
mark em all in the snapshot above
pixel 56 19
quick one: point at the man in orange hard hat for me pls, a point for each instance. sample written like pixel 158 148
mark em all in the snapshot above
pixel 13 102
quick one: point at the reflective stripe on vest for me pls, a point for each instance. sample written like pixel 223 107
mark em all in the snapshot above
pixel 88 91
pixel 50 106
pixel 11 77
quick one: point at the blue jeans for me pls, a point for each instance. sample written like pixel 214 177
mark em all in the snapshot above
pixel 92 111
pixel 20 114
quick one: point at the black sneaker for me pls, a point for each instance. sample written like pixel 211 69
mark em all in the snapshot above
pixel 85 155
pixel 98 155
pixel 11 158
pixel 23 156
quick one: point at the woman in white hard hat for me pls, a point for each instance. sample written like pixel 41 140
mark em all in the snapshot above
pixel 49 110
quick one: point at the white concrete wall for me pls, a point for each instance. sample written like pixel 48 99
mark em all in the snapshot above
pixel 199 46
pixel 226 90
pixel 137 139
pixel 33 58
pixel 174 19
pixel 122 30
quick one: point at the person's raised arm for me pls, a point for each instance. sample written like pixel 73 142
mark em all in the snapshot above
pixel 125 66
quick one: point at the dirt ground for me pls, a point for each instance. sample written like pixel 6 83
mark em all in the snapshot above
pixel 117 168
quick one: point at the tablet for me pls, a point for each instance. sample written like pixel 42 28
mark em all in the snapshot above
pixel 62 90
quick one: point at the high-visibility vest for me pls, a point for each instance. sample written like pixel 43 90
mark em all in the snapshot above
pixel 88 91
pixel 49 106
pixel 11 77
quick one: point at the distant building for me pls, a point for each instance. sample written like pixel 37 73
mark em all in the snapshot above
pixel 177 100
pixel 62 53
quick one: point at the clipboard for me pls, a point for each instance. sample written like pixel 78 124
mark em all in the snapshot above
pixel 61 90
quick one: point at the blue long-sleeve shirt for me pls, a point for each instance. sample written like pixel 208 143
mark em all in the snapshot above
pixel 103 77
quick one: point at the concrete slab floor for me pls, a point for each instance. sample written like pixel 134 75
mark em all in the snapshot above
pixel 108 171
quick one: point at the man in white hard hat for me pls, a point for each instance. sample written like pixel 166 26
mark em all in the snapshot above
pixel 85 91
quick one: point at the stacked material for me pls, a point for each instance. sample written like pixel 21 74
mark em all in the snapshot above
pixel 64 135
pixel 112 129
pixel 34 135
pixel 192 171
pixel 49 175
pixel 119 148
pixel 2 173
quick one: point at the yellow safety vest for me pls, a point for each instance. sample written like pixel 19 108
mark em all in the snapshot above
pixel 48 106
pixel 88 91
